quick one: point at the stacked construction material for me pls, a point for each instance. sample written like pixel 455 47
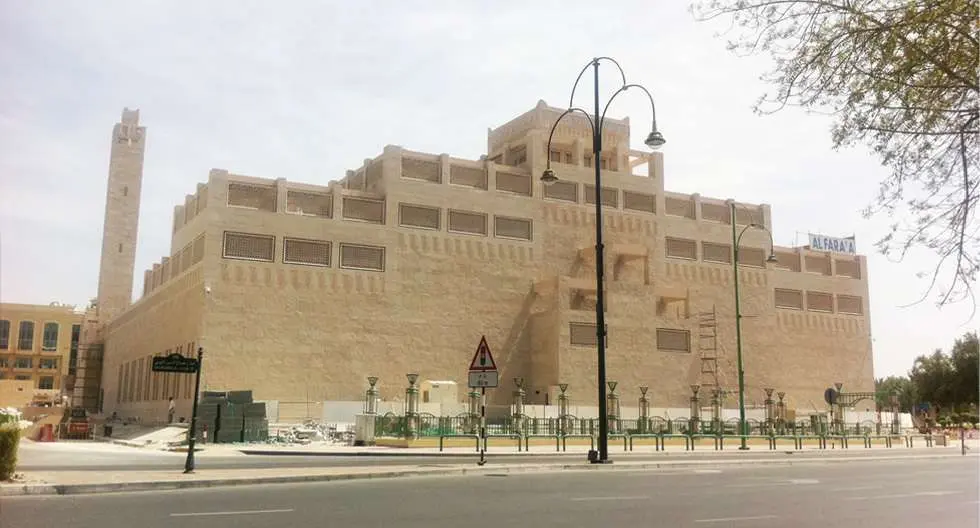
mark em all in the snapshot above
pixel 230 417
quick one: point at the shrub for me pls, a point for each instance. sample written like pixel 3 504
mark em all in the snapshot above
pixel 9 439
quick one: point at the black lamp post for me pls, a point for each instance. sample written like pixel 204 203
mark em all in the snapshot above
pixel 654 139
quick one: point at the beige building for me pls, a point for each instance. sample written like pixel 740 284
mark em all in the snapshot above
pixel 299 291
pixel 39 343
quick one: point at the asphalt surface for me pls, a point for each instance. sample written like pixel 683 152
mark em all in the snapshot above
pixel 107 457
pixel 918 493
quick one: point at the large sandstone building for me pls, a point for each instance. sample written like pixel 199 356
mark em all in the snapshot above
pixel 299 291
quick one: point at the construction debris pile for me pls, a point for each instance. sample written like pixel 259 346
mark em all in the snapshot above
pixel 312 432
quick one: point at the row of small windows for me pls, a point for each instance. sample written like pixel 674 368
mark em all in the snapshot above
pixel 137 382
pixel 668 340
pixel 25 336
pixel 246 246
pixel 677 340
pixel 713 252
pixel 28 363
pixel 464 222
pixel 814 301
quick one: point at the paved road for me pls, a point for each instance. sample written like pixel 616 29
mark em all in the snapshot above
pixel 917 493
pixel 66 456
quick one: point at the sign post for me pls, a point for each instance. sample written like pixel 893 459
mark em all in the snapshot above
pixel 483 373
pixel 184 365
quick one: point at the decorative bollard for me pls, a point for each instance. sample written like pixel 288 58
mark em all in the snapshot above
pixel 695 410
pixel 838 412
pixel 518 408
pixel 411 406
pixel 781 412
pixel 770 410
pixel 474 412
pixel 716 423
pixel 612 407
pixel 644 410
pixel 562 409
pixel 371 396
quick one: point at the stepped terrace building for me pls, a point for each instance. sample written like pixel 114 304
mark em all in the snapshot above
pixel 299 291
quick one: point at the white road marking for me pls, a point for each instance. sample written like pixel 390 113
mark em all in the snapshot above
pixel 857 488
pixel 731 519
pixel 637 497
pixel 906 495
pixel 247 512
pixel 707 471
pixel 804 481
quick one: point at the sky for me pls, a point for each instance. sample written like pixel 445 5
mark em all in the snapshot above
pixel 307 90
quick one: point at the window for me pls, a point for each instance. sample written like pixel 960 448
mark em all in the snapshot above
pixel 721 253
pixel 819 302
pixel 848 268
pixel 363 209
pixel 673 340
pixel 125 190
pixel 4 363
pixel 49 340
pixel 681 248
pixel 561 190
pixel 353 256
pixel 23 363
pixel 120 249
pixel 48 364
pixel 247 247
pixel 475 177
pixel 424 170
pixel 45 383
pixel 716 213
pixel 309 203
pixel 815 264
pixel 468 222
pixel 610 196
pixel 4 334
pixel 635 201
pixel 787 260
pixel 850 304
pixel 679 207
pixel 514 183
pixel 250 196
pixel 419 216
pixel 22 377
pixel 792 299
pixel 505 227
pixel 749 256
pixel 584 334
pixel 25 335
pixel 309 252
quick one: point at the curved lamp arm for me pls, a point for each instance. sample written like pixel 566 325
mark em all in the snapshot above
pixel 738 241
pixel 653 108
pixel 622 75
pixel 555 126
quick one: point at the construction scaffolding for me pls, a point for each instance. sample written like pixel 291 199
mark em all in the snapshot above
pixel 708 349
pixel 87 390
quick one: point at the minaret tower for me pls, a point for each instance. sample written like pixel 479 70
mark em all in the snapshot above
pixel 122 208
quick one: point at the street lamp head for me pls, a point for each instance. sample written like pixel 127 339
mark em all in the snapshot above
pixel 655 139
pixel 772 258
pixel 412 378
pixel 548 176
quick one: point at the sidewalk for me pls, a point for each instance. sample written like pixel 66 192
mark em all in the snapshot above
pixel 88 482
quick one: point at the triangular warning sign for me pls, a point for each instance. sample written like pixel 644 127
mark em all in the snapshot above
pixel 482 360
